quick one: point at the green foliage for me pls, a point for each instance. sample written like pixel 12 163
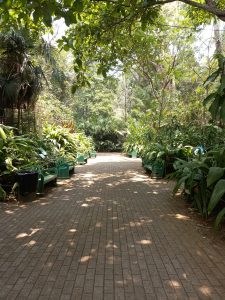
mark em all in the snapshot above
pixel 140 134
pixel 216 99
pixel 94 109
pixel 192 174
pixel 215 173
pixel 20 79
pixel 59 140
pixel 2 194
pixel 204 180
pixel 64 142
pixel 219 218
pixel 218 192
pixel 16 151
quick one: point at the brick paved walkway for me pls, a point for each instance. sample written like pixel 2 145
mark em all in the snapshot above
pixel 110 232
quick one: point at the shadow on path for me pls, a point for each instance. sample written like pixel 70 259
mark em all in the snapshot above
pixel 110 232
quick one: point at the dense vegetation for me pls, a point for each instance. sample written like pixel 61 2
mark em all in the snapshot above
pixel 124 75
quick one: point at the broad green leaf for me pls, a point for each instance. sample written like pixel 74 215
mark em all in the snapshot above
pixel 222 85
pixel 70 18
pixel 219 218
pixel 2 134
pixel 222 110
pixel 66 47
pixel 36 15
pixel 209 98
pixel 68 3
pixel 73 88
pixel 78 5
pixel 79 62
pixel 214 107
pixel 47 18
pixel 212 77
pixel 2 194
pixel 221 60
pixel 179 183
pixel 198 202
pixel 215 173
pixel 218 192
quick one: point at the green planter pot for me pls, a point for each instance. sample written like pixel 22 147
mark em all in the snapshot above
pixel 158 169
pixel 27 182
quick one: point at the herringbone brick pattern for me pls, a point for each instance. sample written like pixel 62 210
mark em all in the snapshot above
pixel 110 232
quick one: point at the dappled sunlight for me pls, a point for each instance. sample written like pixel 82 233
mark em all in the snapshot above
pixel 31 243
pixel 205 290
pixel 144 242
pixel 93 199
pixel 88 175
pixel 182 217
pixel 33 231
pixel 139 223
pixel 85 259
pixel 88 184
pixel 44 203
pixel 121 283
pixel 134 224
pixel 49 264
pixel 24 234
pixel 65 199
pixel 110 260
pixel 93 251
pixel 174 283
pixel 177 216
pixel 120 227
pixel 139 178
pixel 98 225
pixel 9 212
pixel 72 230
pixel 21 235
pixel 110 245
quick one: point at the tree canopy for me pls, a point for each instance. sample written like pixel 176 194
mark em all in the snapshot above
pixel 97 28
pixel 24 11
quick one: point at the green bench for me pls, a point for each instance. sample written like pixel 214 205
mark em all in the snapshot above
pixel 93 154
pixel 156 167
pixel 133 154
pixel 46 176
pixel 65 168
pixel 82 159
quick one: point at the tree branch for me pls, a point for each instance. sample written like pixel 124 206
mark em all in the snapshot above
pixel 210 6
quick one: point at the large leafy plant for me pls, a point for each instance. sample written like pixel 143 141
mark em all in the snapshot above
pixel 20 79
pixel 203 178
pixel 62 141
pixel 192 176
pixel 16 151
pixel 216 183
pixel 216 99
pixel 140 134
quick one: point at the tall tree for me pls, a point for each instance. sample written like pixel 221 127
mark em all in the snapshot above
pixel 98 26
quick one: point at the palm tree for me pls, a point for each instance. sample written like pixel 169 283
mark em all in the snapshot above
pixel 20 80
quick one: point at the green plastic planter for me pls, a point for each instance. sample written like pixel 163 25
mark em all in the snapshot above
pixel 158 169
